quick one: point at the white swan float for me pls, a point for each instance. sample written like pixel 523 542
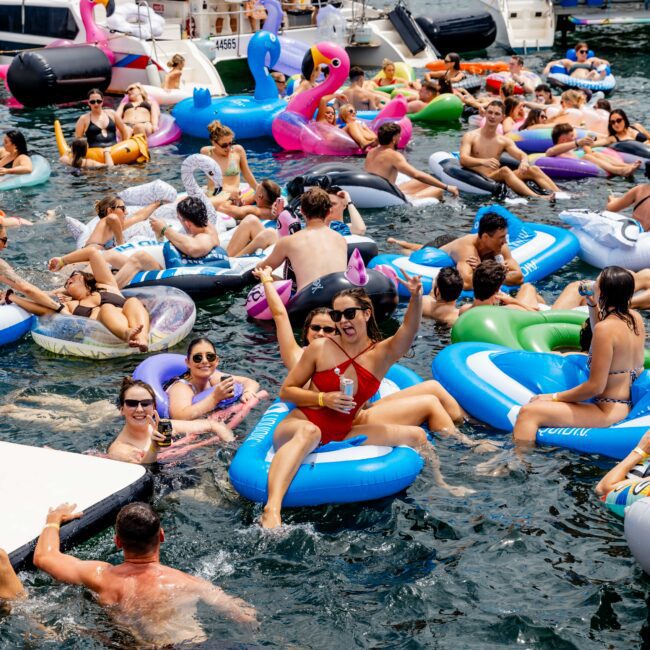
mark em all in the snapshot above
pixel 136 20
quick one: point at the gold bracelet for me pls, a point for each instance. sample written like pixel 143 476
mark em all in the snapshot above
pixel 643 454
pixel 321 401
pixel 554 397
pixel 267 280
pixel 52 525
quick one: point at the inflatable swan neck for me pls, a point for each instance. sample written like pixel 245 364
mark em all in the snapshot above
pixel 273 16
pixel 95 35
pixel 205 164
pixel 260 45
pixel 356 272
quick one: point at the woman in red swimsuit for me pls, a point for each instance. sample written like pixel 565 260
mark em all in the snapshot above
pixel 324 413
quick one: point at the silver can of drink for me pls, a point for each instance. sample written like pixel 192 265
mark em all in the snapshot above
pixel 347 386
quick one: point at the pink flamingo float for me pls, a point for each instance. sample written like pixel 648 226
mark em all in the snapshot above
pixel 295 130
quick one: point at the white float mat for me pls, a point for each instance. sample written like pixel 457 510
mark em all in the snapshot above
pixel 33 479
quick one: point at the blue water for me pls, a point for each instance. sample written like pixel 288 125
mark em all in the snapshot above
pixel 531 560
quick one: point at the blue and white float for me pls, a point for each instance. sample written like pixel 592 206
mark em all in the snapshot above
pixel 41 171
pixel 560 77
pixel 538 248
pixel 338 472
pixel 492 382
pixel 15 322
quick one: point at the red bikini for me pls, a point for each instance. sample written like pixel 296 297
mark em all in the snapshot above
pixel 335 426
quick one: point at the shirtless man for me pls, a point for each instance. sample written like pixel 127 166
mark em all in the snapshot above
pixel 480 151
pixel 638 197
pixel 440 304
pixel 427 93
pixel 516 68
pixel 157 603
pixel 314 251
pixel 363 99
pixel 385 161
pixel 489 243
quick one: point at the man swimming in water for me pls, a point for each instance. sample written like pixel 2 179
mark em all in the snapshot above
pixel 481 149
pixel 314 251
pixel 385 161
pixel 157 603
pixel 489 243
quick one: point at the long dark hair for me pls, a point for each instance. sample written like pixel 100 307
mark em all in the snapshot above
pixel 197 341
pixel 363 300
pixel 89 280
pixel 309 319
pixel 18 140
pixel 617 111
pixel 534 117
pixel 79 149
pixel 616 286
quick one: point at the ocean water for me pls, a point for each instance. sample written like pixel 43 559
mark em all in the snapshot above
pixel 530 560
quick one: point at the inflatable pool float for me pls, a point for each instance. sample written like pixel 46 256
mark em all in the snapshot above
pixel 380 289
pixel 539 140
pixel 609 239
pixel 539 249
pixel 492 382
pixel 495 80
pixel 40 173
pixel 588 117
pixel 136 20
pixel 292 51
pixel 295 130
pixel 131 151
pixel 248 116
pixel 473 67
pixel 631 150
pixel 446 168
pixel 444 108
pixel 549 330
pixel 172 315
pixel 402 70
pixel 559 167
pixel 561 78
pixel 15 322
pixel 637 529
pixel 339 472
pixel 98 486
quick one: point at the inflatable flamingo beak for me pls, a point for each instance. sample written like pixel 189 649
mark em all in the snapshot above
pixel 356 272
pixel 313 57
pixel 108 4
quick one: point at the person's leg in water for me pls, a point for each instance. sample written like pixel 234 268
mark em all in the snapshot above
pixel 417 190
pixel 611 166
pixel 536 175
pixel 10 585
pixel 115 320
pixel 507 176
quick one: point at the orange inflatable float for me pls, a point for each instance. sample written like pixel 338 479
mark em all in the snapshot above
pixel 133 150
pixel 473 67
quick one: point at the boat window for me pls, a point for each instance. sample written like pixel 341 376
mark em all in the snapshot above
pixel 10 18
pixel 56 22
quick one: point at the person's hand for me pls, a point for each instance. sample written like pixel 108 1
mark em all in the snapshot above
pixel 277 207
pixel 345 196
pixel 55 264
pixel 587 141
pixel 544 397
pixel 453 190
pixel 263 273
pixel 64 512
pixel 524 166
pixel 225 433
pixel 339 402
pixel 224 389
pixel 156 225
pixel 3 171
pixel 473 261
pixel 492 163
pixel 247 395
pixel 412 283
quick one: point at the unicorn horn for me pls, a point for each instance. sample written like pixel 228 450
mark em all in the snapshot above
pixel 356 272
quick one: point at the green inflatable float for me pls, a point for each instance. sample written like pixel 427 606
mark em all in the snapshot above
pixel 444 108
pixel 537 331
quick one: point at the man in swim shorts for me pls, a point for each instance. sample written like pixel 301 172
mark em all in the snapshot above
pixel 385 161
pixel 481 149
pixel 157 603
pixel 314 251
pixel 489 243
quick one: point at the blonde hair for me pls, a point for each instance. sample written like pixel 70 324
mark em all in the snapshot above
pixel 218 130
pixel 177 61
pixel 140 88
pixel 573 97
pixel 386 62
pixel 344 109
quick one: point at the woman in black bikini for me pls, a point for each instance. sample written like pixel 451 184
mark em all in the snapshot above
pixel 638 197
pixel 139 113
pixel 90 295
pixel 13 155
pixel 100 124
pixel 615 361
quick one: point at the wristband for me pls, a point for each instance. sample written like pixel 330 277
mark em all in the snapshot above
pixel 321 401
pixel 52 525
pixel 8 294
pixel 349 203
pixel 267 280
pixel 643 454
pixel 554 397
pixel 162 232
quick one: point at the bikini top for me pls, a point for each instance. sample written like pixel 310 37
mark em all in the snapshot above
pixel 106 298
pixel 639 137
pixel 95 135
pixel 329 380
pixel 143 104
pixel 634 372
pixel 9 165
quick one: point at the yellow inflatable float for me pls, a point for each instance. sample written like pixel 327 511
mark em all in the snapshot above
pixel 133 150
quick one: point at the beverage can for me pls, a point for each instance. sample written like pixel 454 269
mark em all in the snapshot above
pixel 165 427
pixel 347 387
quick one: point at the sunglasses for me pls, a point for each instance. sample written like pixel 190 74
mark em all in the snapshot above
pixel 134 403
pixel 583 51
pixel 95 101
pixel 225 145
pixel 620 120
pixel 119 207
pixel 198 357
pixel 4 240
pixel 327 329
pixel 448 61
pixel 349 313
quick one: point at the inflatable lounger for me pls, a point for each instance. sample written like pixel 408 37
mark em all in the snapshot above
pixel 33 479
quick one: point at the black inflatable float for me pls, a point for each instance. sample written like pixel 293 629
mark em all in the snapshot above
pixel 463 32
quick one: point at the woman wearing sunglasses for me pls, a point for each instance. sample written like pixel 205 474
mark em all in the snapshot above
pixel 139 441
pixel 202 375
pixel 620 129
pixel 90 295
pixel 99 126
pixel 109 231
pixel 232 160
pixel 584 66
pixel 325 414
pixel 139 113
pixel 363 135
pixel 452 72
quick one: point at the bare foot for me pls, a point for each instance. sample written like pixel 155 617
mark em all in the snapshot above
pixel 632 167
pixel 458 490
pixel 136 339
pixel 270 518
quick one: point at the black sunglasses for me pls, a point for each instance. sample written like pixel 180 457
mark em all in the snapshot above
pixel 620 120
pixel 348 313
pixel 583 51
pixel 119 207
pixel 327 329
pixel 198 357
pixel 95 101
pixel 134 403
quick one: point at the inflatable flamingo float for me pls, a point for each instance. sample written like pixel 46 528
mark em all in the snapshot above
pixel 295 130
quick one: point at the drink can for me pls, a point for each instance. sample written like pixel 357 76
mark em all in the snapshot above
pixel 347 387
